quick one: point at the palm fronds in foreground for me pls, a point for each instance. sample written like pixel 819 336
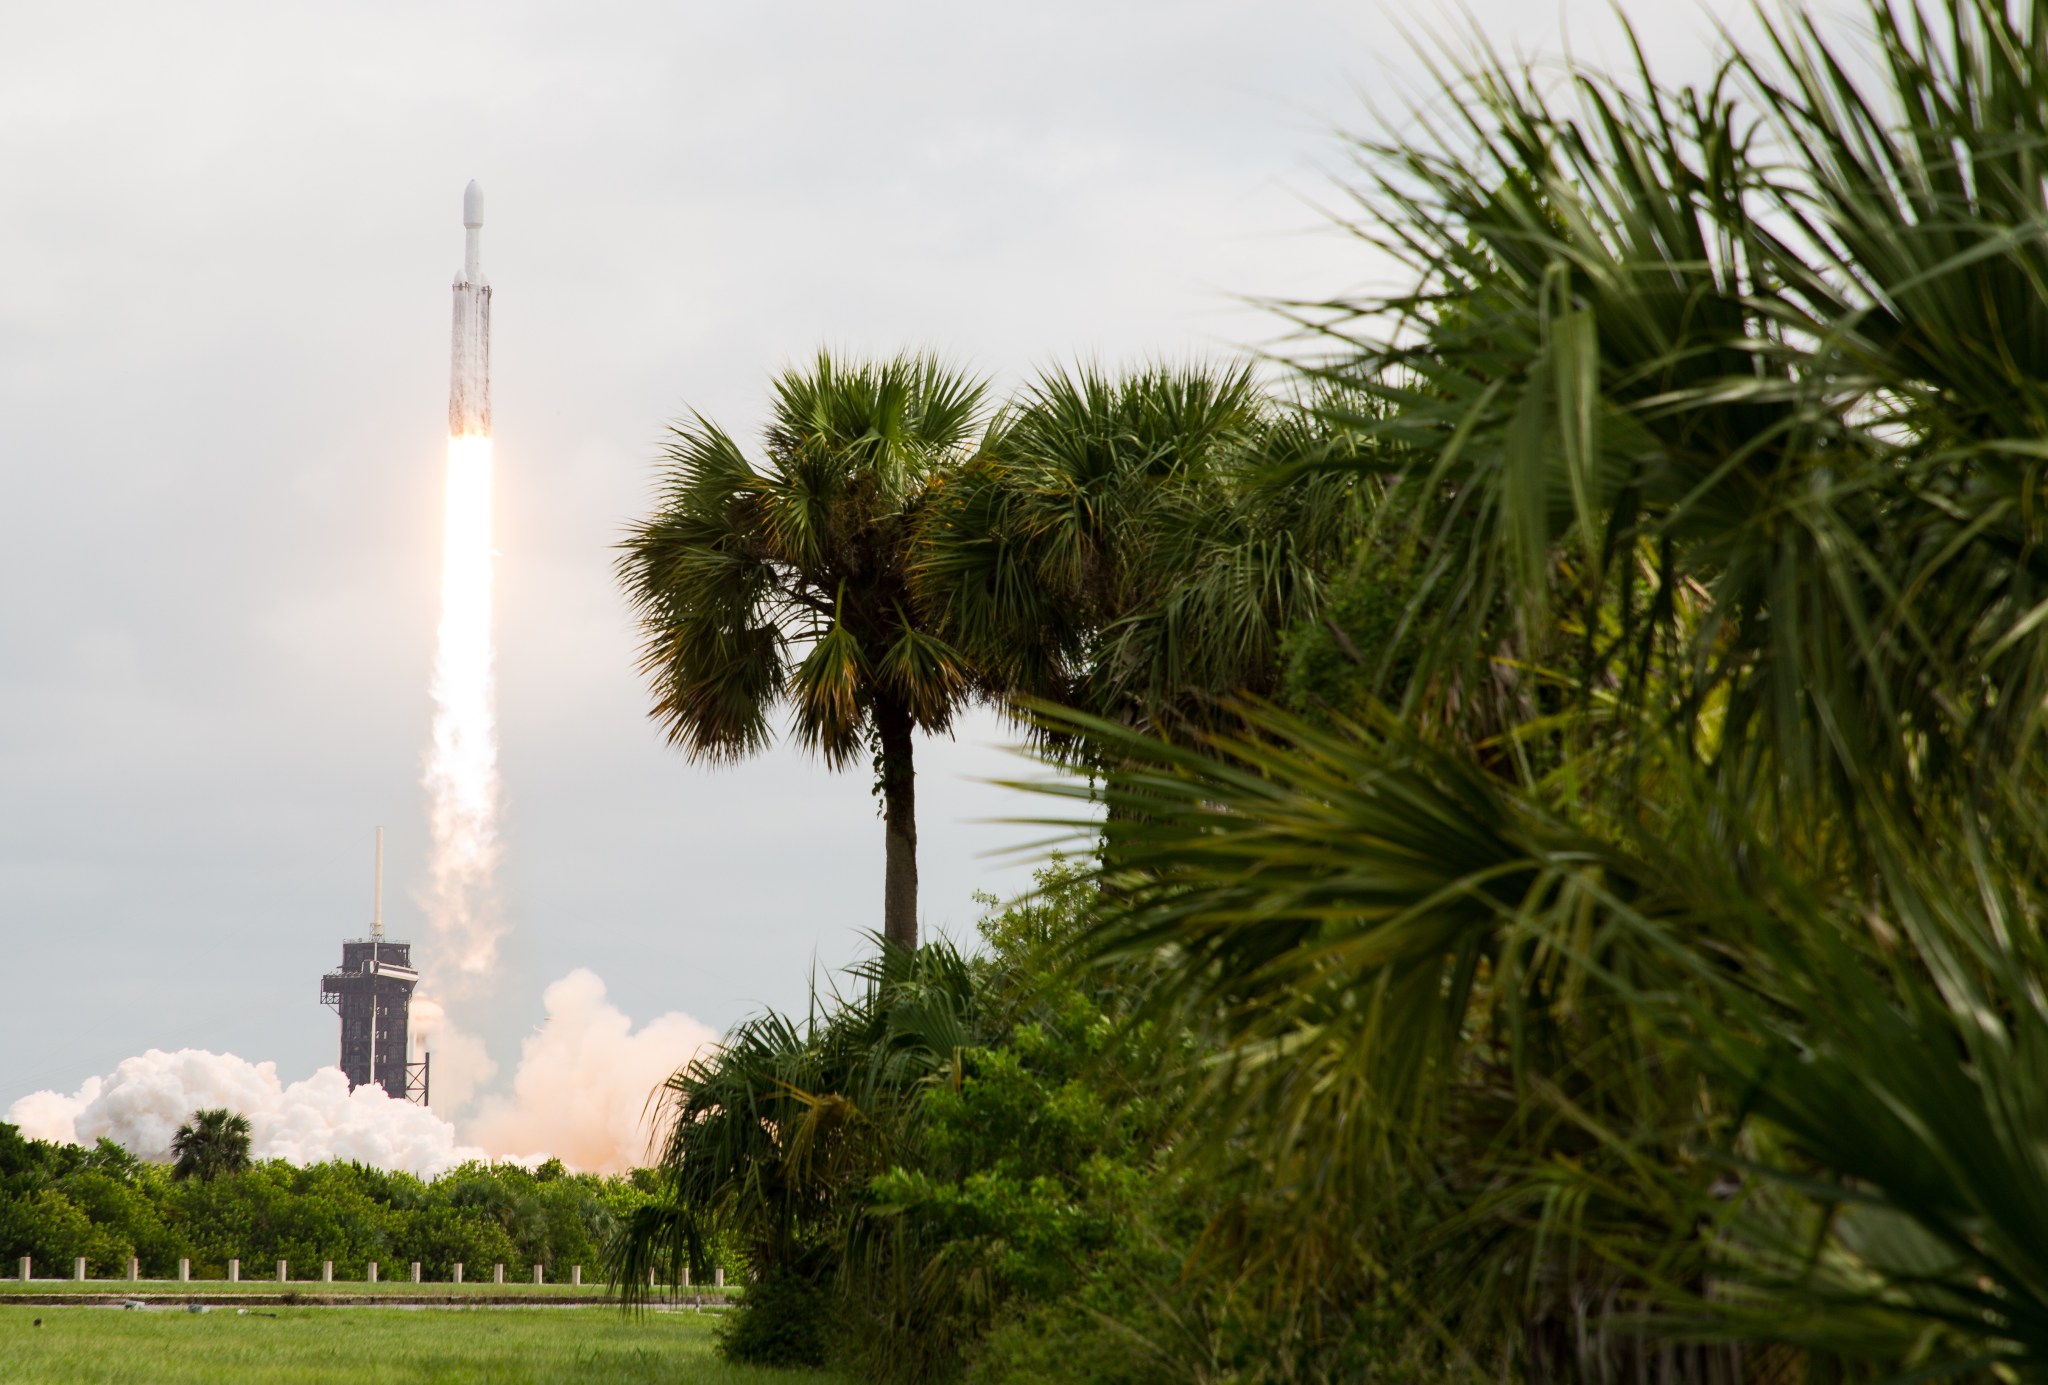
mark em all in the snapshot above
pixel 1664 963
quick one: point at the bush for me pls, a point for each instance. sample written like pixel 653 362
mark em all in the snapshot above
pixel 781 1320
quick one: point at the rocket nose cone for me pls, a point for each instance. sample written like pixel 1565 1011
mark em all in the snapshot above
pixel 472 205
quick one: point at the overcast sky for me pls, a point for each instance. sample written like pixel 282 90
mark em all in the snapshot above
pixel 226 238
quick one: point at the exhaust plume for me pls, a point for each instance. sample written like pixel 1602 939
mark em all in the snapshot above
pixel 460 898
pixel 586 1080
pixel 462 764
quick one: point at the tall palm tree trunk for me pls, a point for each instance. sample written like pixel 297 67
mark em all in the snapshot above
pixel 898 776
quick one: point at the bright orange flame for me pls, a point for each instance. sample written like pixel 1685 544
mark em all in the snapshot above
pixel 462 767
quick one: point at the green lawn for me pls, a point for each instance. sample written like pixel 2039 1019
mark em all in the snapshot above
pixel 149 1288
pixel 369 1344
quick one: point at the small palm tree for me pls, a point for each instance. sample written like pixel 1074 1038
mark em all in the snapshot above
pixel 775 1136
pixel 786 583
pixel 211 1143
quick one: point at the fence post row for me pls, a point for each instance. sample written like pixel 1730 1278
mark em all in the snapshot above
pixel 26 1269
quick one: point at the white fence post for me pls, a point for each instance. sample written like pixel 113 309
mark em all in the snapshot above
pixel 718 1278
pixel 78 1268
pixel 326 1271
pixel 576 1275
pixel 536 1275
pixel 24 1269
pixel 283 1272
pixel 373 1272
pixel 234 1271
pixel 458 1271
pixel 184 1269
pixel 134 1269
pixel 498 1273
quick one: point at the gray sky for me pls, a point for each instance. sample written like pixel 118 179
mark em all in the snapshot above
pixel 227 233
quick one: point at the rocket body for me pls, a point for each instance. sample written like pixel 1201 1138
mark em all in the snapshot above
pixel 469 376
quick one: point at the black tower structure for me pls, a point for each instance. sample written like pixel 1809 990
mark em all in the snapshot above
pixel 372 992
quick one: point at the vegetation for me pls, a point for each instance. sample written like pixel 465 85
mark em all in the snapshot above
pixel 59 1202
pixel 212 1143
pixel 1583 919
pixel 1138 545
pixel 788 583
pixel 290 1345
pixel 924 1156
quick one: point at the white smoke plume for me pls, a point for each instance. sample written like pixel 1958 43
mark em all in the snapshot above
pixel 144 1101
pixel 580 1094
pixel 462 1065
pixel 585 1077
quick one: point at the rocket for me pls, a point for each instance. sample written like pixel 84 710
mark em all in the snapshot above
pixel 469 376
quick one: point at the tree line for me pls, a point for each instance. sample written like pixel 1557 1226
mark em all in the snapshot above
pixel 1555 784
pixel 60 1202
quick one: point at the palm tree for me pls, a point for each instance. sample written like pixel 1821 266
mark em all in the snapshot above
pixel 776 1136
pixel 786 583
pixel 213 1142
pixel 1136 545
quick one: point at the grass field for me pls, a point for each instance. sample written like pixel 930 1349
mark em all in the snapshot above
pixel 597 1345
pixel 148 1288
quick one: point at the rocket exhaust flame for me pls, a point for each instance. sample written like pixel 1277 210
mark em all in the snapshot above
pixel 462 765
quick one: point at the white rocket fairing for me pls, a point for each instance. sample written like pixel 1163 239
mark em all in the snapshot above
pixel 469 379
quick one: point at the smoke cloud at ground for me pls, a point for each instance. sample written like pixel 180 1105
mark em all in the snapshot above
pixel 584 1079
pixel 579 1094
pixel 143 1101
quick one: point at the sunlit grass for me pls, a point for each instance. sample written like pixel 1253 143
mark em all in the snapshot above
pixel 402 1288
pixel 74 1344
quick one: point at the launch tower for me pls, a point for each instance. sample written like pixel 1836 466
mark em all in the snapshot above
pixel 372 992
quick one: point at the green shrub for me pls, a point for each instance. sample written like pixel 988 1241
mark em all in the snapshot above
pixel 781 1320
